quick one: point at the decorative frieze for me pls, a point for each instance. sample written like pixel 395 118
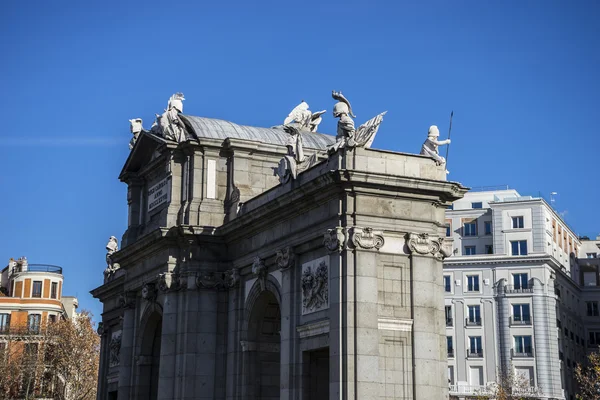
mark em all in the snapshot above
pixel 259 270
pixel 315 285
pixel 334 239
pixel 115 348
pixel 285 258
pixel 366 238
pixel 425 244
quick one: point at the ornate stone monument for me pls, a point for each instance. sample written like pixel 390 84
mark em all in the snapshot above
pixel 323 281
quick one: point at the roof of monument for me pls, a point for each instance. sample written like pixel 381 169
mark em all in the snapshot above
pixel 220 129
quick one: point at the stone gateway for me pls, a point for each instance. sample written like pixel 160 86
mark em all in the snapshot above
pixel 236 286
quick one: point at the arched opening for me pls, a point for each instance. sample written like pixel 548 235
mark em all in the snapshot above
pixel 149 358
pixel 262 349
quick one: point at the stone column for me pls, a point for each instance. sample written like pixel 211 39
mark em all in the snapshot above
pixel 430 364
pixel 286 261
pixel 125 353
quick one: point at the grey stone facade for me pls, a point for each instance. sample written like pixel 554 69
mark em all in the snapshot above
pixel 233 286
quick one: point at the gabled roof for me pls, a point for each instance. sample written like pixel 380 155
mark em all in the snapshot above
pixel 218 129
pixel 141 154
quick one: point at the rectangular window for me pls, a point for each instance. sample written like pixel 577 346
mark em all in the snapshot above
pixel 517 222
pixel 475 348
pixel 594 338
pixel 519 247
pixel 472 283
pixel 448 311
pixel 523 346
pixel 449 346
pixel 470 250
pixel 4 322
pixel 53 290
pixel 470 228
pixel 489 249
pixel 448 230
pixel 447 284
pixel 592 308
pixel 591 255
pixel 520 281
pixel 487 225
pixel 521 313
pixel 52 318
pixel 33 323
pixel 37 289
pixel 474 315
pixel 477 204
pixel 589 278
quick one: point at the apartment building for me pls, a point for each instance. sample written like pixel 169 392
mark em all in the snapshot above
pixel 30 296
pixel 513 298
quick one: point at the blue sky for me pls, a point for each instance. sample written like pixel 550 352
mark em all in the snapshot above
pixel 521 77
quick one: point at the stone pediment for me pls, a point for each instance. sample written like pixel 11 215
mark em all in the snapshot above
pixel 143 152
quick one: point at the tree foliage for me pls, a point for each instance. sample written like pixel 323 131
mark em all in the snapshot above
pixel 58 360
pixel 588 377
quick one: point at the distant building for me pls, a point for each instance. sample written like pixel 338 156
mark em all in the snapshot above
pixel 513 295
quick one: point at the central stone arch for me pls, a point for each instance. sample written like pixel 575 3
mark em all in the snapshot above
pixel 261 342
pixel 148 359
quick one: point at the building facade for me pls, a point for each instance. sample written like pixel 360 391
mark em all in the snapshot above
pixel 513 295
pixel 233 284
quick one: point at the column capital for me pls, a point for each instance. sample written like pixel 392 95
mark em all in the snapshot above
pixel 427 245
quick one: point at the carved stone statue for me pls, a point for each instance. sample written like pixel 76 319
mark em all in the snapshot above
pixel 303 118
pixel 135 128
pixel 347 135
pixel 169 125
pixel 430 147
pixel 111 247
pixel 294 161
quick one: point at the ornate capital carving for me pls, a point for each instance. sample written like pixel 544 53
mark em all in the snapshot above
pixel 209 280
pixel 170 281
pixel 259 270
pixel 231 277
pixel 334 239
pixel 425 244
pixel 367 239
pixel 285 258
pixel 127 300
pixel 149 292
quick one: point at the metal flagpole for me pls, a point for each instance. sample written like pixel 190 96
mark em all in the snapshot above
pixel 449 132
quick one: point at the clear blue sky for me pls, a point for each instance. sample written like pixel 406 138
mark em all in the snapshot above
pixel 521 76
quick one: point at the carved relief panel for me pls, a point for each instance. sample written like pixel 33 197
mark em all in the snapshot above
pixel 315 285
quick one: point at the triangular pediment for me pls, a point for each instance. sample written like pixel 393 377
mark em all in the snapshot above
pixel 144 151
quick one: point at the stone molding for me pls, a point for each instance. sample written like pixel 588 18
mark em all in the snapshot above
pixel 366 238
pixel 217 280
pixel 261 347
pixel 170 282
pixel 313 329
pixel 425 244
pixel 259 270
pixel 395 324
pixel 315 285
pixel 334 239
pixel 285 258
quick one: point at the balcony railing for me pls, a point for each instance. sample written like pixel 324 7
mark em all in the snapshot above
pixel 470 390
pixel 473 321
pixel 449 322
pixel 522 354
pixel 519 320
pixel 54 269
pixel 520 289
pixel 475 353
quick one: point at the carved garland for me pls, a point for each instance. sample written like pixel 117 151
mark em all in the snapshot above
pixel 367 239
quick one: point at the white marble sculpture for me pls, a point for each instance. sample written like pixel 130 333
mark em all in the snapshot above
pixel 135 126
pixel 430 147
pixel 169 125
pixel 303 118
pixel 111 247
pixel 294 161
pixel 347 135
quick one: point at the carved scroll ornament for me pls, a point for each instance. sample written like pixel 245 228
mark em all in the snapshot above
pixel 367 239
pixel 424 244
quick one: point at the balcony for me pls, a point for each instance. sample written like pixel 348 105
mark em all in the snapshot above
pixel 473 322
pixel 475 353
pixel 449 322
pixel 471 390
pixel 451 353
pixel 519 321
pixel 53 269
pixel 525 353
pixel 511 289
